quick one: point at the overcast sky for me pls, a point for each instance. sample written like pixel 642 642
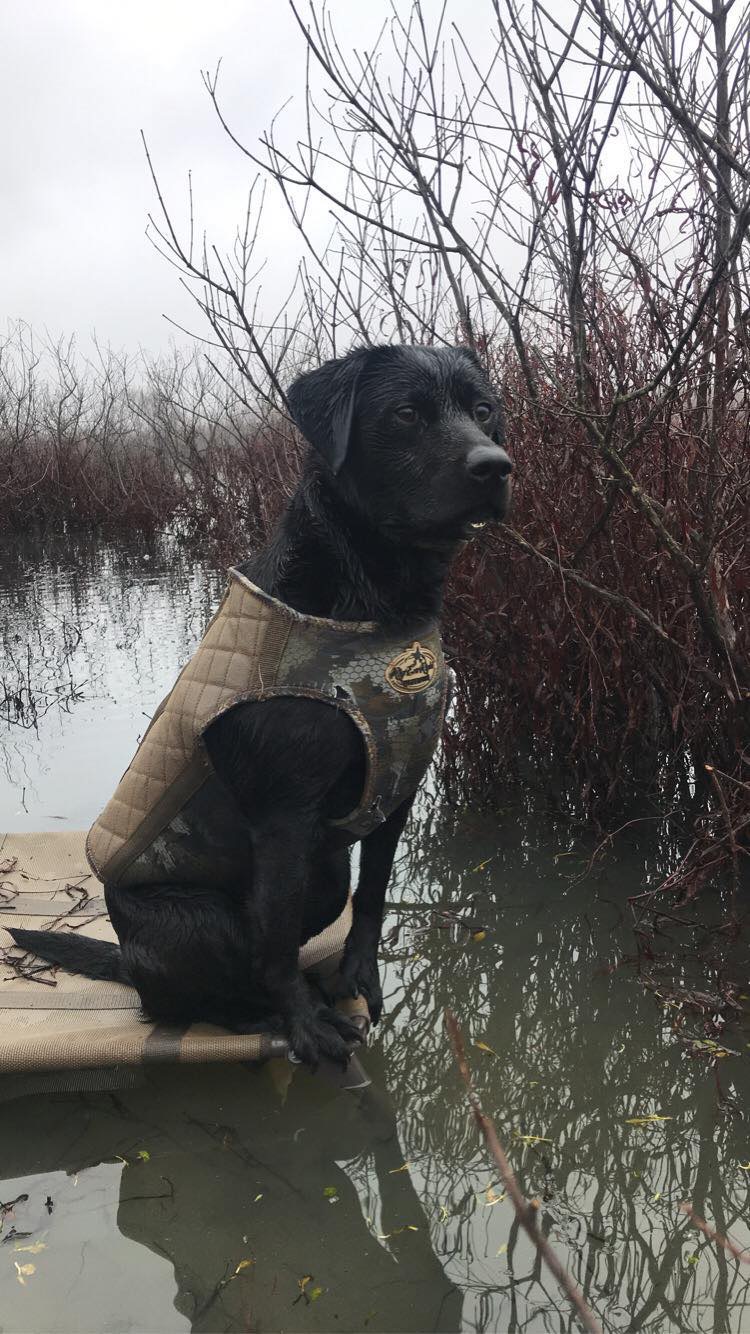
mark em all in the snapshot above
pixel 78 80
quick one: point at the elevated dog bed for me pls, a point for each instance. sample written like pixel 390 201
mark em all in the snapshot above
pixel 52 1020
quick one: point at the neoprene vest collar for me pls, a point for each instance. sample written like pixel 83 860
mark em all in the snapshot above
pixel 171 819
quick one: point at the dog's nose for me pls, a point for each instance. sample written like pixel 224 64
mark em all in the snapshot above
pixel 488 463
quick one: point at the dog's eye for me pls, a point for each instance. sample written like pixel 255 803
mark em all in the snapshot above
pixel 406 415
pixel 483 412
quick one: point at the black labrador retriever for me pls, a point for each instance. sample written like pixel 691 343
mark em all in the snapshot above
pixel 407 460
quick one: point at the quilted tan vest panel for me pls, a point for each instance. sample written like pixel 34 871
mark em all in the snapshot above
pixel 256 648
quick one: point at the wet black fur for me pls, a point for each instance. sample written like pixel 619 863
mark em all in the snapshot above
pixel 369 535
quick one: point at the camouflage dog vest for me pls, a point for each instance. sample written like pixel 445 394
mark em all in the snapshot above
pixel 171 819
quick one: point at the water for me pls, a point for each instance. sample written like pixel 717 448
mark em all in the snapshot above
pixel 229 1198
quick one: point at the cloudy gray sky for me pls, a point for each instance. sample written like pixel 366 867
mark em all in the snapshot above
pixel 78 80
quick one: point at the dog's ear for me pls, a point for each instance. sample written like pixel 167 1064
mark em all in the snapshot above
pixel 322 403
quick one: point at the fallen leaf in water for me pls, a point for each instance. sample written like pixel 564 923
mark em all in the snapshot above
pixel 692 1259
pixel 646 1120
pixel 716 1049
pixel 144 1155
pixel 408 1227
pixel 744 1167
pixel 486 1189
pixel 404 1168
pixel 657 1196
pixel 258 1197
pixel 315 1294
pixel 481 865
pixel 330 1192
pixel 502 1249
pixel 484 1047
pixel 492 1198
pixel 531 1139
pixel 243 1264
pixel 478 935
pixel 24 1272
pixel 302 1285
pixel 34 1248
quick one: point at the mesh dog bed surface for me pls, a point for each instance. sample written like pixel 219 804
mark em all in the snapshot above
pixel 53 1020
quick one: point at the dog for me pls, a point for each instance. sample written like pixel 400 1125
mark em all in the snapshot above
pixel 406 461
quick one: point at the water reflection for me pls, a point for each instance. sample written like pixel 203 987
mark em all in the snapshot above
pixel 217 1171
pixel 378 1211
pixel 91 636
pixel 576 1051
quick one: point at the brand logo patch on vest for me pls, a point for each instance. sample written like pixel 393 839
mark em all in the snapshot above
pixel 413 670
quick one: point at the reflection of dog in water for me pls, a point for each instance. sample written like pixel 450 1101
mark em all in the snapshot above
pixel 198 1207
pixel 240 1207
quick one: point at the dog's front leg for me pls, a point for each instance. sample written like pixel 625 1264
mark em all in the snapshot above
pixel 274 904
pixel 359 970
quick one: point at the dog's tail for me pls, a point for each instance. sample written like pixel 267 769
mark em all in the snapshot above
pixel 100 959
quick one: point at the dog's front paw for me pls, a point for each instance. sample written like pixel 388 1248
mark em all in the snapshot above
pixel 360 976
pixel 323 1035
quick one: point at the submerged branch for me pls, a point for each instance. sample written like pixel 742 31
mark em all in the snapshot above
pixel 526 1210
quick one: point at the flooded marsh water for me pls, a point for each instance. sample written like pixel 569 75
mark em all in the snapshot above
pixel 240 1199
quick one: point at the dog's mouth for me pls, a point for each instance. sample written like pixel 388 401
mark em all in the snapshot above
pixel 493 511
pixel 478 521
pixel 464 526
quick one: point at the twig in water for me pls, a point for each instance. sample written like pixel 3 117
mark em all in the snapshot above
pixel 702 1225
pixel 526 1210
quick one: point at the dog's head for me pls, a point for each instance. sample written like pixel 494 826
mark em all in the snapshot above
pixel 412 438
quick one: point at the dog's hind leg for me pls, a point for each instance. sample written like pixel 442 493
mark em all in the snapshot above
pixel 193 954
pixel 187 951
